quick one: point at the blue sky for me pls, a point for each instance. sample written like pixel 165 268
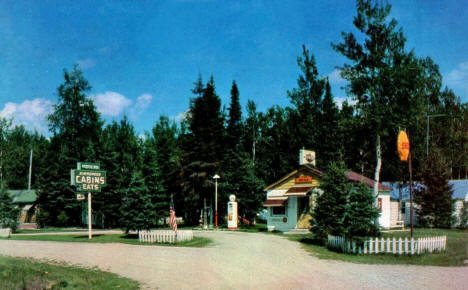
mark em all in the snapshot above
pixel 142 57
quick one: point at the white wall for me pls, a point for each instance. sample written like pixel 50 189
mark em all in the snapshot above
pixel 384 218
pixel 291 216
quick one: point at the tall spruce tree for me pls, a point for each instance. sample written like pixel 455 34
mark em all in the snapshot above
pixel 202 150
pixel 234 127
pixel 75 125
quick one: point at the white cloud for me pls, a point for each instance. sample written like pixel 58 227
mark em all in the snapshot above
pixel 458 77
pixel 30 113
pixel 143 102
pixel 181 116
pixel 339 101
pixel 85 63
pixel 111 103
pixel 335 78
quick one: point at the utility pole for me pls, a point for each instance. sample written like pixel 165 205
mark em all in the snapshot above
pixel 30 170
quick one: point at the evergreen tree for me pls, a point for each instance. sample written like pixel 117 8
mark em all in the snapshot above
pixel 360 213
pixel 203 149
pixel 234 127
pixel 152 176
pixel 122 159
pixel 137 210
pixel 76 126
pixel 328 213
pixel 8 211
pixel 435 198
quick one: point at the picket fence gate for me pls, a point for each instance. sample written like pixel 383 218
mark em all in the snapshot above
pixel 165 236
pixel 392 246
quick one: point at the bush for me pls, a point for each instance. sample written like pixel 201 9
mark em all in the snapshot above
pixel 8 211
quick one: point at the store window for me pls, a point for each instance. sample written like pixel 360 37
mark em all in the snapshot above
pixel 278 210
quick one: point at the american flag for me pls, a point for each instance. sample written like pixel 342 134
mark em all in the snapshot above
pixel 172 216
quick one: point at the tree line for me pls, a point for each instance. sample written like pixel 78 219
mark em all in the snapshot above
pixel 391 86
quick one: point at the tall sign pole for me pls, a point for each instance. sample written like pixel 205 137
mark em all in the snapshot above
pixel 404 151
pixel 88 177
pixel 90 217
pixel 216 177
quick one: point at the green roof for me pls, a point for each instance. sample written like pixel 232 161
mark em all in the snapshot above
pixel 23 195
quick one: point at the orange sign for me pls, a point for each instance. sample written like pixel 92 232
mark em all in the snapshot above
pixel 303 179
pixel 403 146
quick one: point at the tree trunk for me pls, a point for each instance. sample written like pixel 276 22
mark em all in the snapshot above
pixel 378 151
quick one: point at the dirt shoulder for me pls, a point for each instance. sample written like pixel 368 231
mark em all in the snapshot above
pixel 237 261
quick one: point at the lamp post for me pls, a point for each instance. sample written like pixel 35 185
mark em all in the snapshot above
pixel 216 177
pixel 427 130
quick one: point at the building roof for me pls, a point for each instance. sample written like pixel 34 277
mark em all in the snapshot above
pixel 23 195
pixel 460 189
pixel 351 175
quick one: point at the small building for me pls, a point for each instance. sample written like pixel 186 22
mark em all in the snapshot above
pixel 400 192
pixel 25 200
pixel 290 199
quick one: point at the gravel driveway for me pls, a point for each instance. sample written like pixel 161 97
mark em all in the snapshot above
pixel 238 261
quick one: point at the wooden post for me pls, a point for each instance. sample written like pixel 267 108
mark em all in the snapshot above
pixel 90 219
pixel 411 194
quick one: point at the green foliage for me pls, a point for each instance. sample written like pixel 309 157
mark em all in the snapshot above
pixel 137 210
pixel 360 213
pixel 8 211
pixel 328 213
pixel 234 126
pixel 435 198
pixel 462 222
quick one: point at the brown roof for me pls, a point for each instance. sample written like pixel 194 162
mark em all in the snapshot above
pixel 298 191
pixel 274 202
pixel 353 176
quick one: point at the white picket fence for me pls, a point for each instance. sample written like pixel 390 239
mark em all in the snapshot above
pixel 390 245
pixel 165 236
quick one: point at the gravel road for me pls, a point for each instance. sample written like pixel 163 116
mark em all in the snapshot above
pixel 238 261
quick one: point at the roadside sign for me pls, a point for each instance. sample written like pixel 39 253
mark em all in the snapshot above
pixel 87 166
pixel 80 196
pixel 88 180
pixel 403 146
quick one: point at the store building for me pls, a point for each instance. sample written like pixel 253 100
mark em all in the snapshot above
pixel 290 199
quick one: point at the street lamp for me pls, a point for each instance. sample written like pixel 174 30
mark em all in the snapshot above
pixel 216 177
pixel 427 130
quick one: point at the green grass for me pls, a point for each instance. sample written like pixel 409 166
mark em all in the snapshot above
pixel 455 255
pixel 19 273
pixel 50 230
pixel 117 238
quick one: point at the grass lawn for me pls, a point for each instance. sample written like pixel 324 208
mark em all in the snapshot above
pixel 118 238
pixel 19 273
pixel 455 255
pixel 50 230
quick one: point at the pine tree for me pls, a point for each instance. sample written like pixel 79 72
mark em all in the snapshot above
pixel 137 211
pixel 8 211
pixel 234 127
pixel 435 198
pixel 76 127
pixel 328 214
pixel 360 213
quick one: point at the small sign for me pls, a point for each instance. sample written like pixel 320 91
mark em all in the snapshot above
pixel 87 166
pixel 303 179
pixel 403 146
pixel 80 196
pixel 306 157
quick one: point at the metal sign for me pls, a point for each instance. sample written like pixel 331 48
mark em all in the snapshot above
pixel 80 196
pixel 87 166
pixel 403 146
pixel 88 180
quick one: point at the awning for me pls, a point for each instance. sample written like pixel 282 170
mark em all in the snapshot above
pixel 275 202
pixel 298 191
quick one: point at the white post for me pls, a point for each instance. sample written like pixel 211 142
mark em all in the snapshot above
pixel 90 220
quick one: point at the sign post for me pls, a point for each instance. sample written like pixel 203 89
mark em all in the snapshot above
pixel 88 177
pixel 404 151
